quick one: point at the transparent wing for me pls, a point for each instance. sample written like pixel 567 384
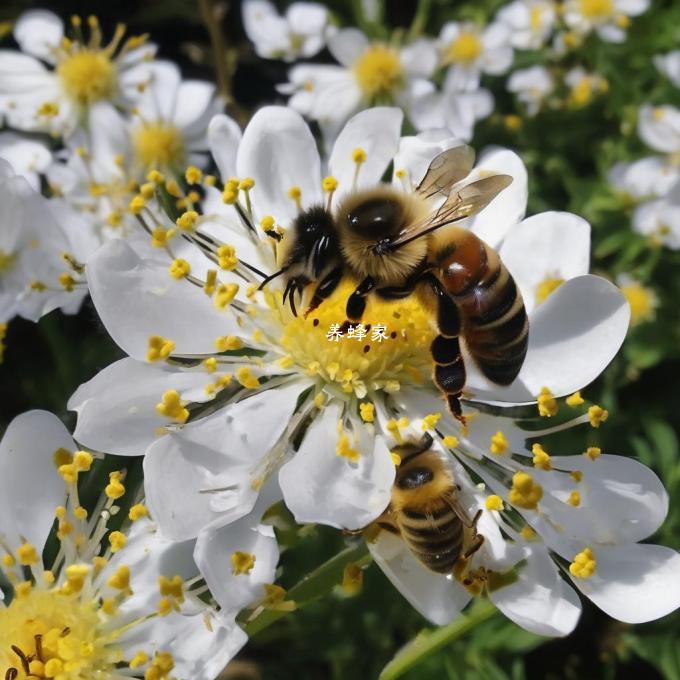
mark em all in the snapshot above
pixel 446 169
pixel 462 203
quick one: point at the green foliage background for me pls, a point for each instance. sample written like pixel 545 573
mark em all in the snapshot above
pixel 568 153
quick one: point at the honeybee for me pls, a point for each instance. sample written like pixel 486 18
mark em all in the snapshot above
pixel 424 510
pixel 397 244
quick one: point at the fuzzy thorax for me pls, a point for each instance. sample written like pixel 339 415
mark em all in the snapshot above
pixel 428 497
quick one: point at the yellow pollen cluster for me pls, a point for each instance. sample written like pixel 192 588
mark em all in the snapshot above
pixel 179 268
pixel 547 404
pixel 367 412
pixel 226 343
pixel 430 421
pixel 242 563
pixel 158 144
pixel 88 76
pixel 465 49
pixel 584 564
pixel 247 378
pixel 574 499
pixel 379 72
pixel 115 489
pixel 642 302
pixel 593 452
pixel 187 220
pixel 494 503
pixel 597 415
pixel 574 400
pixel 541 458
pixel 227 259
pixel 359 362
pixel 173 407
pixel 525 492
pixel 345 450
pixel 159 348
pixel 499 443
pixel 450 442
pixel 546 287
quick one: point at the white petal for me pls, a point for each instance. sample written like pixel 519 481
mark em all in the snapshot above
pixel 669 65
pixel 224 137
pixel 38 32
pixel 318 485
pixel 214 550
pixel 160 97
pixel 539 600
pixel 307 18
pixel 195 100
pixel 573 335
pixel 420 58
pixel 438 598
pixel 559 243
pixel 117 408
pixel 27 157
pixel 659 127
pixel 508 208
pixel 138 298
pixel 279 151
pixel 347 45
pixel 30 486
pixel 634 583
pixel 416 153
pixel 376 131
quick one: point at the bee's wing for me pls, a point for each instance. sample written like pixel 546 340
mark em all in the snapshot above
pixel 462 203
pixel 446 169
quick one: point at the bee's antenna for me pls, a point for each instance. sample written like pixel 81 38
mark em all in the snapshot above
pixel 269 278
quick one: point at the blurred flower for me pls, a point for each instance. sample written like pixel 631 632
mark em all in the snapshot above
pixel 469 51
pixel 222 380
pixel 300 34
pixel 643 301
pixel 608 18
pixel 660 219
pixel 584 87
pixel 50 85
pixel 669 65
pixel 369 74
pixel 530 21
pixel 580 515
pixel 125 602
pixel 28 157
pixel 531 85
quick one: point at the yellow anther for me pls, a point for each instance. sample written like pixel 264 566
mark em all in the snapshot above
pixel 400 173
pixel 228 343
pixel 367 411
pixel 547 404
pixel 187 220
pixel 246 184
pixel 173 188
pixel 117 540
pixel 121 578
pixel 137 512
pixel 137 204
pixel 67 282
pixel 430 421
pixel 147 190
pixel 574 499
pixel 359 155
pixel 642 301
pixel 49 577
pixel 584 564
pixel 139 659
pixel 27 554
pixel 83 460
pixel 23 589
pixel 179 268
pixel 8 560
pixel 227 257
pixel 247 378
pixel 242 562
pixel 99 563
pixel 597 415
pixel 450 442
pixel 352 579
pixel 229 195
pixel 156 177
pixel 60 512
pixel 62 457
pixel 210 282
pixel 48 109
pixel 494 503
pixel 267 223
pixel 541 458
pixel 286 362
pixel 193 175
pixel 75 577
pixel 396 458
pixel 172 587
pixel 65 529
pixel 209 180
pixel 525 491
pixel 114 489
pixel 160 236
pixel 38 286
pixel 109 606
pixel 329 184
pixel 173 407
pixel 80 513
pixel 527 533
pixel 593 452
pixel 576 475
pixel 295 194
pixel 574 400
pixel 159 348
pixel 343 449
pixel 499 443
pixel 164 606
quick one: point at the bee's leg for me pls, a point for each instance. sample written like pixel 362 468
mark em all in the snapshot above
pixel 356 303
pixel 325 289
pixel 477 543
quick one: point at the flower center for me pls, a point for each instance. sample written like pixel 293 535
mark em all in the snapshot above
pixel 535 15
pixel 88 76
pixel 642 302
pixel 379 71
pixel 158 144
pixel 597 9
pixel 7 260
pixel 546 287
pixel 465 49
pixel 389 346
pixel 47 634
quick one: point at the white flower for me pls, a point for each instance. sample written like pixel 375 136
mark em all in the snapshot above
pixel 120 604
pixel 669 65
pixel 531 85
pixel 300 34
pixel 584 86
pixel 531 22
pixel 660 219
pixel 642 299
pixel 218 385
pixel 608 18
pixel 469 51
pixel 28 157
pixel 39 262
pixel 583 514
pixel 54 80
pixel 369 74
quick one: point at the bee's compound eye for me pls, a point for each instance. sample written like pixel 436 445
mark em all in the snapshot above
pixel 415 477
pixel 375 218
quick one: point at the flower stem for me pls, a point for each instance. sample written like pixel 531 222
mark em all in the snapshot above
pixel 419 19
pixel 314 585
pixel 429 641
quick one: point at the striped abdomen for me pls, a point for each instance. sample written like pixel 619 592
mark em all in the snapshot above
pixel 435 537
pixel 494 321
